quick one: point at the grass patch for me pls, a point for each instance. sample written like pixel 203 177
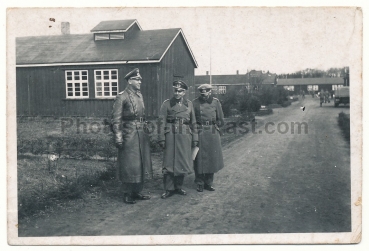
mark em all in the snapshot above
pixel 42 184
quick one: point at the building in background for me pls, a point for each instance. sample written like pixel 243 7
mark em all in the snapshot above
pixel 310 85
pixel 80 74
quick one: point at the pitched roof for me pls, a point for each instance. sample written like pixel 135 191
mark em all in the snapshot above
pixel 310 81
pixel 221 79
pixel 115 25
pixel 140 47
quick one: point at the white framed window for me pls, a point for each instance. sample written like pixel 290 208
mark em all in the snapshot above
pixel 106 83
pixel 315 87
pixel 222 89
pixel 102 36
pixel 107 36
pixel 76 82
pixel 289 87
pixel 310 87
pixel 118 35
pixel 335 87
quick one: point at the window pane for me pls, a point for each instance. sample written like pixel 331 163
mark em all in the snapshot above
pixel 106 89
pixel 70 85
pixel 98 83
pixel 114 89
pixel 76 84
pixel 84 73
pixel 69 78
pixel 77 94
pixel 114 93
pixel 69 73
pixel 76 73
pixel 84 77
pixel 85 89
pixel 70 94
pixel 98 73
pixel 98 77
pixel 84 84
pixel 76 77
pixel 70 89
pixel 99 93
pixel 114 72
pixel 113 76
pixel 106 73
pixel 98 89
pixel 106 93
pixel 106 84
pixel 114 83
pixel 106 77
pixel 77 89
pixel 85 94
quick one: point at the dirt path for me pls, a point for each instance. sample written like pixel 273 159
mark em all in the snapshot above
pixel 272 183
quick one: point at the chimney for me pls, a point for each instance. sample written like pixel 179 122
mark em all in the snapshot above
pixel 207 72
pixel 65 28
pixel 237 72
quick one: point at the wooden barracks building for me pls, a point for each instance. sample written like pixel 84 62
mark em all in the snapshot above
pixel 80 75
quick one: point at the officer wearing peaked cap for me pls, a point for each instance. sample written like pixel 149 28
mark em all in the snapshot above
pixel 131 139
pixel 176 136
pixel 209 117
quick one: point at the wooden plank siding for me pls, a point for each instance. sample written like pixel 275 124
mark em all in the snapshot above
pixel 177 64
pixel 46 95
pixel 47 91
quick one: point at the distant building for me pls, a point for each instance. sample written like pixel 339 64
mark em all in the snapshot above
pixel 222 83
pixel 250 81
pixel 80 75
pixel 296 85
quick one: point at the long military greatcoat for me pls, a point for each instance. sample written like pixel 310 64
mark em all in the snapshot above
pixel 134 160
pixel 178 136
pixel 209 115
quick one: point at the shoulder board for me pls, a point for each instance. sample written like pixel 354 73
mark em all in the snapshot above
pixel 215 99
pixel 121 92
pixel 189 101
pixel 166 100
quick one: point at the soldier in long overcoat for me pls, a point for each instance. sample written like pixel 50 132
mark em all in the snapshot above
pixel 131 139
pixel 209 117
pixel 177 136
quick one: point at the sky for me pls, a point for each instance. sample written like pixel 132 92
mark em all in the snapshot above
pixel 224 39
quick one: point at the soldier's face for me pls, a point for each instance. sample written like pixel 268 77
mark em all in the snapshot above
pixel 135 83
pixel 178 93
pixel 206 94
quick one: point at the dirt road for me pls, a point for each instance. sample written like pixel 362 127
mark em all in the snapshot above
pixel 272 183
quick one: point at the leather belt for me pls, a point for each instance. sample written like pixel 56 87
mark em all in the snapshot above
pixel 206 123
pixel 179 121
pixel 137 119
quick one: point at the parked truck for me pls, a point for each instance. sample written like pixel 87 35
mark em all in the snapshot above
pixel 342 96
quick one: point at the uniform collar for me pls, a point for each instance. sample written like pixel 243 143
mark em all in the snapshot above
pixel 209 100
pixel 173 101
pixel 138 92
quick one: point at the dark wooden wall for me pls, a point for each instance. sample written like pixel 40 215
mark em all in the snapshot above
pixel 177 64
pixel 41 91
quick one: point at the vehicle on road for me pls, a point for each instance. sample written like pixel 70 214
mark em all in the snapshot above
pixel 342 96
